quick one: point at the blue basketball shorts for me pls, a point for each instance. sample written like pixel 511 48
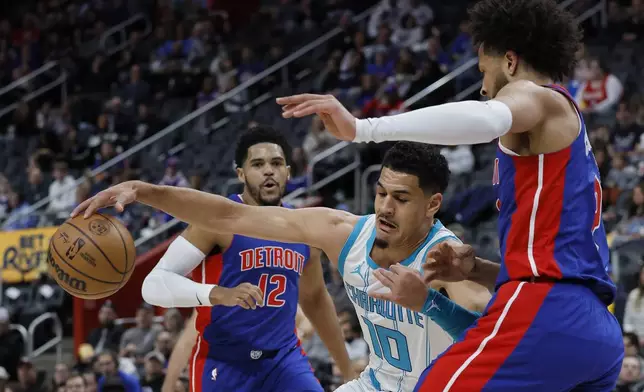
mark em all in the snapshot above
pixel 533 337
pixel 288 370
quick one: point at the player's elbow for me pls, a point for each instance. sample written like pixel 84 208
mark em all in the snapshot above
pixel 154 290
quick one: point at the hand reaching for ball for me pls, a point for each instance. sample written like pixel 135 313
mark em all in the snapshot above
pixel 117 196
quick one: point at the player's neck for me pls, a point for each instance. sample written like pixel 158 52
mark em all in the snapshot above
pixel 386 257
pixel 533 77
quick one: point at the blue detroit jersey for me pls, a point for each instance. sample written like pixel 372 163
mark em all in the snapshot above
pixel 550 223
pixel 273 266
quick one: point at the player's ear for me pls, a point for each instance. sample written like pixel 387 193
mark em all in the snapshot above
pixel 288 172
pixel 434 205
pixel 511 61
pixel 240 174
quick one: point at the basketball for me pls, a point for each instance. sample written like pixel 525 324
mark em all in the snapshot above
pixel 91 258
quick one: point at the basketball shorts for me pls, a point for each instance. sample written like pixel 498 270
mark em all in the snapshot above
pixel 289 370
pixel 533 337
pixel 365 383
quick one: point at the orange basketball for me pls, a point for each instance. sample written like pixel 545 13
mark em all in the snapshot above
pixel 91 258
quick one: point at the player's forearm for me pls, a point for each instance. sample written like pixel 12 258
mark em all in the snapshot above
pixel 321 312
pixel 467 122
pixel 189 205
pixel 485 273
pixel 166 285
pixel 180 356
pixel 451 317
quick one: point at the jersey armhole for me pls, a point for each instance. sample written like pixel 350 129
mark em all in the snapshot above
pixel 215 251
pixel 357 229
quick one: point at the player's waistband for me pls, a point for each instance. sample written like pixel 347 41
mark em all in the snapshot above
pixel 604 293
pixel 235 354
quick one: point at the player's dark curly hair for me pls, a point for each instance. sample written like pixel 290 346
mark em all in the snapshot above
pixel 540 32
pixel 257 135
pixel 421 160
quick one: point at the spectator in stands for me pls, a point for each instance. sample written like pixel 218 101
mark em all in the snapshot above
pixel 459 158
pixel 4 378
pixel 11 345
pixel 18 219
pixel 86 358
pixel 108 364
pixel 153 375
pixel 627 133
pixel 91 383
pixel 632 225
pixel 317 140
pixel 634 24
pixel 61 375
pixel 601 92
pixel 634 313
pixel 173 321
pixel 36 188
pixel 76 383
pixel 108 335
pixel 137 90
pixel 164 344
pixel 207 92
pixel 630 375
pixel 144 334
pixel 29 378
pixel 173 176
pixel 631 344
pixel 355 344
pixel 62 194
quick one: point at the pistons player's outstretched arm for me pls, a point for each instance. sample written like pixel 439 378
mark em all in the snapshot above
pixel 519 107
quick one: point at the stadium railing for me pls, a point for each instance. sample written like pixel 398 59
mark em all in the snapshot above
pixel 56 341
pixel 120 32
pixel 197 114
pixel 49 69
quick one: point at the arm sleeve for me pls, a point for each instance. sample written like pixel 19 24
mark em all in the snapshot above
pixel 467 122
pixel 166 285
pixel 453 318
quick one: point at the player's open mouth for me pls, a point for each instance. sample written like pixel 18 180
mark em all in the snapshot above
pixel 386 225
pixel 269 185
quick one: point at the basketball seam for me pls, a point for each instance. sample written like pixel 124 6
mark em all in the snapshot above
pixel 53 246
pixel 128 268
pixel 97 247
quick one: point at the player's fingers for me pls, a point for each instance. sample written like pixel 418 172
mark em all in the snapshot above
pixel 379 295
pixel 430 276
pixel 401 269
pixel 257 295
pixel 81 207
pixel 242 303
pixel 297 99
pixel 383 277
pixel 318 107
pixel 304 107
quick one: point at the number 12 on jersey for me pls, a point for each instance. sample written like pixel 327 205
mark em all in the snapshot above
pixel 277 287
pixel 382 340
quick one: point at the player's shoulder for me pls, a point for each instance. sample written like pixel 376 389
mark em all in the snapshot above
pixel 547 95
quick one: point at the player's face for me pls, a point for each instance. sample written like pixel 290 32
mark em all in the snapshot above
pixel 265 173
pixel 493 68
pixel 402 209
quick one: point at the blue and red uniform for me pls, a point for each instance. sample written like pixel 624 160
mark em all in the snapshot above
pixel 547 327
pixel 252 350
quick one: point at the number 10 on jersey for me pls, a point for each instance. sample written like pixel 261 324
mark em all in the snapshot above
pixel 382 340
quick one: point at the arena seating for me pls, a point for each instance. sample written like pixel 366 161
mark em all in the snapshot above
pixel 174 121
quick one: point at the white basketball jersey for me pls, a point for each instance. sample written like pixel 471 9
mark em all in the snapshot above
pixel 402 342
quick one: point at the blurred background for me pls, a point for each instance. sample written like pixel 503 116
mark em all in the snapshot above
pixel 95 92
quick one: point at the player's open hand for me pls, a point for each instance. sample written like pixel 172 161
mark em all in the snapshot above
pixel 449 262
pixel 337 119
pixel 118 196
pixel 402 285
pixel 246 295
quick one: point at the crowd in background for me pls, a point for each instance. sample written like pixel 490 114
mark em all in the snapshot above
pixel 403 47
